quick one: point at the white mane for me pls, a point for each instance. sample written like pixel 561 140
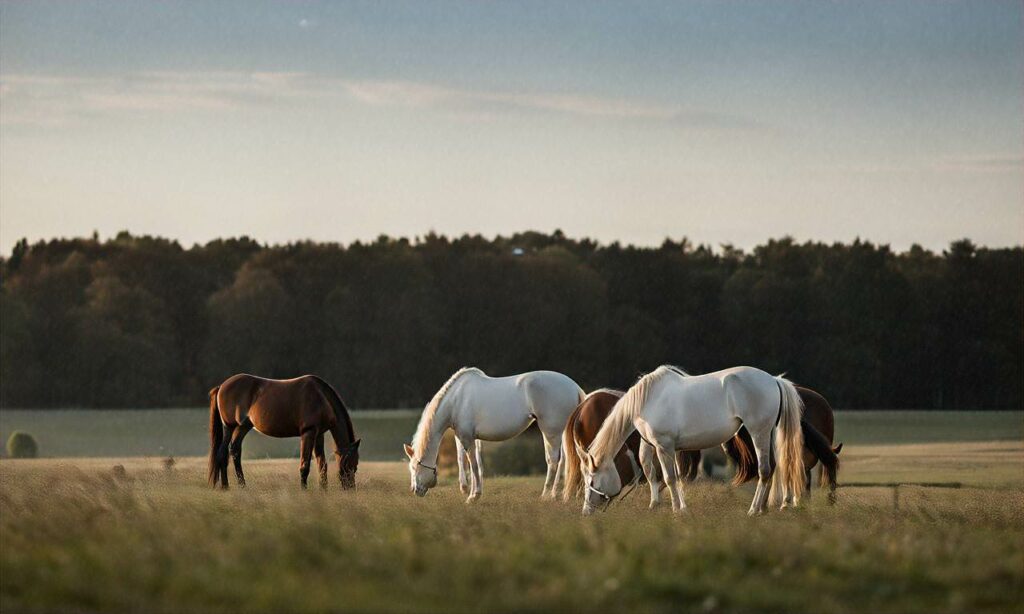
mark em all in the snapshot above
pixel 419 440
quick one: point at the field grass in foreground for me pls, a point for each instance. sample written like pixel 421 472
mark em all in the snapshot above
pixel 75 537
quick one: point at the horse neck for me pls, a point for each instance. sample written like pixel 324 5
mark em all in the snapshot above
pixel 441 422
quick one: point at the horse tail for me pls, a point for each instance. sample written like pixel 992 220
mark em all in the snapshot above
pixel 789 440
pixel 689 464
pixel 822 449
pixel 573 477
pixel 216 435
pixel 741 450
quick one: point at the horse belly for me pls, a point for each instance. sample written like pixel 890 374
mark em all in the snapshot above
pixel 698 431
pixel 499 426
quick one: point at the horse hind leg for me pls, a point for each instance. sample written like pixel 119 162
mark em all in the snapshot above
pixel 765 469
pixel 235 449
pixel 553 457
pixel 222 455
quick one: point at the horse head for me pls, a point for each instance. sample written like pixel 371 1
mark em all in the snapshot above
pixel 423 477
pixel 601 484
pixel 348 463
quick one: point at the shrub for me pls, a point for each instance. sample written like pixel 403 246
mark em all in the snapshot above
pixel 22 445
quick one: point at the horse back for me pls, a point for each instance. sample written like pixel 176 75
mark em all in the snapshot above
pixel 278 408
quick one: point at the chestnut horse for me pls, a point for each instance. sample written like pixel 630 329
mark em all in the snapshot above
pixel 818 415
pixel 305 407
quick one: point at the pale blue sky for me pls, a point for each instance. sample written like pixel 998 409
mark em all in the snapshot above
pixel 898 122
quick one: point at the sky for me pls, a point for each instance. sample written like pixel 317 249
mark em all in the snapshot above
pixel 725 122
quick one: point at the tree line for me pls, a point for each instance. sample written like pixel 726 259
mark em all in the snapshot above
pixel 141 321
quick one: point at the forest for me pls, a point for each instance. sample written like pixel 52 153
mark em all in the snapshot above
pixel 141 321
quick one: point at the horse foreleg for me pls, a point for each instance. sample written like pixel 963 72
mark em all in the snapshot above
pixel 321 459
pixel 667 459
pixel 306 445
pixel 476 484
pixel 236 448
pixel 648 461
pixel 463 461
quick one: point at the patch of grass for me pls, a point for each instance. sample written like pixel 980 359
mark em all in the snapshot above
pixel 77 537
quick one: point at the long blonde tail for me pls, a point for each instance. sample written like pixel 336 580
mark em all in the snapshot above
pixel 573 482
pixel 789 440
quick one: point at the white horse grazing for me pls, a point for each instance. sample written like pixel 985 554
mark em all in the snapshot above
pixel 675 411
pixel 478 407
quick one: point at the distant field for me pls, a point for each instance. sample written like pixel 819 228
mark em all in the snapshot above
pixel 183 432
pixel 78 538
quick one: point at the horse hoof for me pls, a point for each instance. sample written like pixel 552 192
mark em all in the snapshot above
pixel 464 489
pixel 473 497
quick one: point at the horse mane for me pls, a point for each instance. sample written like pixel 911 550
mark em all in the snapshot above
pixel 419 440
pixel 619 423
pixel 339 406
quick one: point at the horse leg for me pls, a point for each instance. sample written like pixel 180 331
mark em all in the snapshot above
pixel 463 462
pixel 321 459
pixel 480 457
pixel 667 459
pixel 236 448
pixel 306 445
pixel 222 454
pixel 648 462
pixel 763 449
pixel 476 484
pixel 553 456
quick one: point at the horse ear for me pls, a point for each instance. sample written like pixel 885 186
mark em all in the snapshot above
pixel 408 451
pixel 836 450
pixel 355 446
pixel 589 460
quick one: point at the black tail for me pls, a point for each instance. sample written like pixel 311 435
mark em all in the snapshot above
pixel 822 448
pixel 216 436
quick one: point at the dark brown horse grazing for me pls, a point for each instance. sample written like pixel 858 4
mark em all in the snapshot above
pixel 305 407
pixel 818 424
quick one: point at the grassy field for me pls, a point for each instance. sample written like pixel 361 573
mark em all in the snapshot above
pixel 182 432
pixel 76 537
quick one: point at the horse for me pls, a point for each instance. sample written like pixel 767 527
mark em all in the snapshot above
pixel 483 408
pixel 819 431
pixel 579 432
pixel 305 407
pixel 675 411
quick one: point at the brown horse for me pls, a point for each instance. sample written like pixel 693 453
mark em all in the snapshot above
pixel 305 407
pixel 818 425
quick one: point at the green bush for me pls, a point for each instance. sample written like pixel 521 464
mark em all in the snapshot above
pixel 22 445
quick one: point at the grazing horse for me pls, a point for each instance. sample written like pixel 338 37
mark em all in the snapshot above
pixel 819 430
pixel 305 407
pixel 482 408
pixel 634 461
pixel 675 411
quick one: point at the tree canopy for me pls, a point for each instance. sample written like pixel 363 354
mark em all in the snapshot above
pixel 140 321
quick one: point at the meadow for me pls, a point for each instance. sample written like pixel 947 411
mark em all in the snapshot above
pixel 77 534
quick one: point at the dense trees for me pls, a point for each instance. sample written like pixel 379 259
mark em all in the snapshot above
pixel 140 321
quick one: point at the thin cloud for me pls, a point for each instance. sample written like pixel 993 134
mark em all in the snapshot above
pixel 55 100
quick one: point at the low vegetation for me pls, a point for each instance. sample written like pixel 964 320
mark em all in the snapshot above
pixel 76 535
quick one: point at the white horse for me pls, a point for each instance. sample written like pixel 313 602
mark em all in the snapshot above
pixel 675 411
pixel 478 407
